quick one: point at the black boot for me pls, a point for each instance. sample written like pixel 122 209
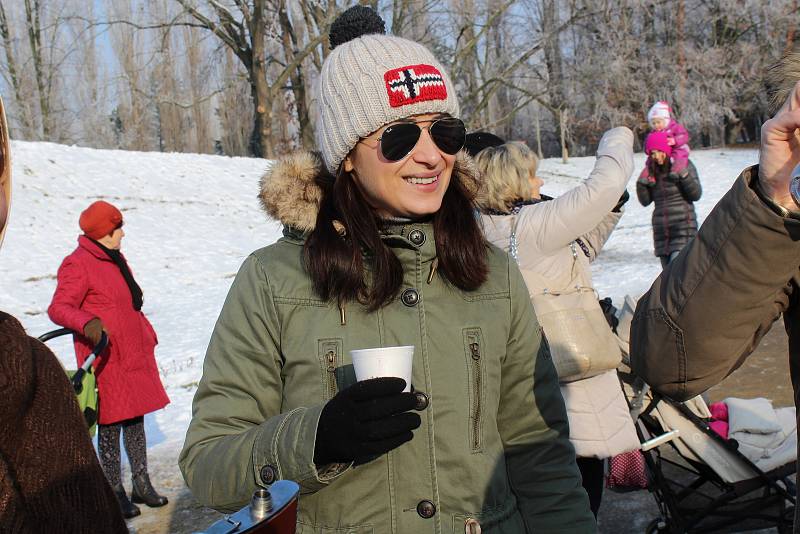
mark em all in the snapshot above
pixel 128 508
pixel 143 492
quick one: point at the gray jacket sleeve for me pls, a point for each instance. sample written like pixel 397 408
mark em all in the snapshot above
pixel 710 308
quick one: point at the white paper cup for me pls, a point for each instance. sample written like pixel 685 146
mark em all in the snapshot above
pixel 384 361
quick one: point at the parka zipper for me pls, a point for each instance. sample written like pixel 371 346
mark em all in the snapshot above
pixel 475 353
pixel 330 357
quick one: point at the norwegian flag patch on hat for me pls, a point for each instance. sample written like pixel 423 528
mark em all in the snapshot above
pixel 414 83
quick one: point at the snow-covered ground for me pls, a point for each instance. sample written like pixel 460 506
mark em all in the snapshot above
pixel 191 219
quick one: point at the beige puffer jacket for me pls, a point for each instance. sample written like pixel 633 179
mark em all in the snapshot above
pixel 550 259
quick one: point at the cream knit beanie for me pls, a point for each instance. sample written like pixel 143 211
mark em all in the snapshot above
pixel 371 80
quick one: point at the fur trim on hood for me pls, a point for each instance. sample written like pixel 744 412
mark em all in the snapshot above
pixel 290 194
pixel 781 78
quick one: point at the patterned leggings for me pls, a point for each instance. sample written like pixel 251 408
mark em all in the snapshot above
pixel 135 447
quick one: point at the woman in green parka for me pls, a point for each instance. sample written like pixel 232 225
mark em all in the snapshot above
pixel 381 248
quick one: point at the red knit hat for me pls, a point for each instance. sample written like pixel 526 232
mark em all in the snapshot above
pixel 657 141
pixel 100 219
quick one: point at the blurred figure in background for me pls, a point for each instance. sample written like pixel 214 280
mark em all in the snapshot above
pixel 50 479
pixel 96 292
pixel 674 218
pixel 661 120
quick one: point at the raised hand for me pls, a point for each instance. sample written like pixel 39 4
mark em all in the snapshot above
pixel 780 151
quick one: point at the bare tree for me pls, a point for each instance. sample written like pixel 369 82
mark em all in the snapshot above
pixel 234 109
pixel 44 79
pixel 246 34
pixel 20 99
pixel 136 115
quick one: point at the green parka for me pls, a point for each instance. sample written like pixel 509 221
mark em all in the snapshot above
pixel 493 445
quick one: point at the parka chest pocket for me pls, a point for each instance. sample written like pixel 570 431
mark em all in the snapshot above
pixel 329 353
pixel 476 370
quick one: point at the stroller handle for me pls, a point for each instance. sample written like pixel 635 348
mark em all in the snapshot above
pixel 44 338
pixel 77 378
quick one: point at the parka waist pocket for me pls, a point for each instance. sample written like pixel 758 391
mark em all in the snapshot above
pixel 308 528
pixel 501 519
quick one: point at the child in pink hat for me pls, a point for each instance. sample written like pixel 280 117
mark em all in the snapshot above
pixel 660 119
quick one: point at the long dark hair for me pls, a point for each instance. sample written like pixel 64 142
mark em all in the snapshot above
pixel 659 171
pixel 338 259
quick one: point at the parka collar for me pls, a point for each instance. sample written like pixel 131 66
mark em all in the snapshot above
pixel 290 194
pixel 92 248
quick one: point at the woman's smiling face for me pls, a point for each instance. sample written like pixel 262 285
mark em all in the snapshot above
pixel 412 187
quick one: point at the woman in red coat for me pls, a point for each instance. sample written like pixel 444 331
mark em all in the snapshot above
pixel 96 292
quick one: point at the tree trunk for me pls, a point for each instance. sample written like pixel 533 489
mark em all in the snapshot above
pixel 552 53
pixel 33 20
pixel 562 121
pixel 680 19
pixel 11 64
pixel 297 77
pixel 792 31
pixel 261 141
pixel 538 132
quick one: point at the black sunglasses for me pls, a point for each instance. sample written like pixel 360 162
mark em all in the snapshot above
pixel 398 140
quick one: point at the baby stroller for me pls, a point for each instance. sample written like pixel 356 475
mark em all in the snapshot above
pixel 83 380
pixel 701 481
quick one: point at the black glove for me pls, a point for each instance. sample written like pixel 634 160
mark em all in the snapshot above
pixel 610 313
pixel 621 202
pixel 365 420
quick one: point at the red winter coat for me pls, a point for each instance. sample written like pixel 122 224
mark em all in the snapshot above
pixel 91 285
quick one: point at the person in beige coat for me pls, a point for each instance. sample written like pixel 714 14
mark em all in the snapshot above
pixel 554 242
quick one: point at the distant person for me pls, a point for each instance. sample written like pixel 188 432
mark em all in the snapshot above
pixel 97 292
pixel 381 248
pixel 674 219
pixel 50 479
pixel 660 119
pixel 554 241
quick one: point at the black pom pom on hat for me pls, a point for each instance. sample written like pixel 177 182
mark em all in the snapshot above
pixel 353 23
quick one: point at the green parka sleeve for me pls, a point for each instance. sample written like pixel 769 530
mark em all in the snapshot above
pixel 238 435
pixel 533 424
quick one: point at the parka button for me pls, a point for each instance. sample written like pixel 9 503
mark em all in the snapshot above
pixel 417 237
pixel 426 509
pixel 410 297
pixel 269 474
pixel 421 402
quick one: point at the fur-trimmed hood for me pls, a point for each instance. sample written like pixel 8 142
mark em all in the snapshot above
pixel 290 194
pixel 781 78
